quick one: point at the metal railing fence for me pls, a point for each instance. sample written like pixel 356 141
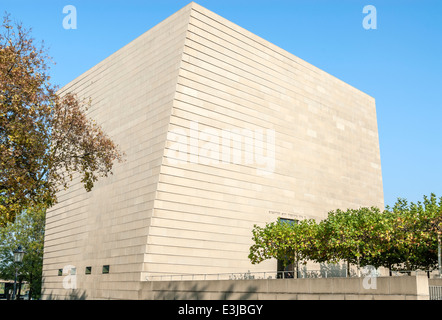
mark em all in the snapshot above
pixel 435 292
pixel 249 275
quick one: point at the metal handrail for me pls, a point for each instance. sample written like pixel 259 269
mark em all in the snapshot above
pixel 435 292
pixel 245 275
pixel 303 273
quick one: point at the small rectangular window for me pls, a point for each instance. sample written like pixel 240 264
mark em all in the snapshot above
pixel 60 272
pixel 88 270
pixel 105 269
pixel 73 271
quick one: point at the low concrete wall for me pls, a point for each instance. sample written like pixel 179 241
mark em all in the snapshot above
pixel 435 282
pixel 396 288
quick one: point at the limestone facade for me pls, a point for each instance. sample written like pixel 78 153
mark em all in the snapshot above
pixel 222 130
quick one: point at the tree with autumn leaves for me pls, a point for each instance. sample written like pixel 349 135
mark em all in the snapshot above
pixel 45 138
pixel 404 237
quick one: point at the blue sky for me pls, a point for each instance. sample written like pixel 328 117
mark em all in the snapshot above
pixel 399 63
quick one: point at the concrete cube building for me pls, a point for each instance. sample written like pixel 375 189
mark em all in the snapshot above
pixel 222 130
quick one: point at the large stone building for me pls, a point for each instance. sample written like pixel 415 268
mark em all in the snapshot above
pixel 222 130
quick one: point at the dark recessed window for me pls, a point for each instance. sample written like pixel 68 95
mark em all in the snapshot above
pixel 286 271
pixel 288 221
pixel 88 270
pixel 60 272
pixel 106 269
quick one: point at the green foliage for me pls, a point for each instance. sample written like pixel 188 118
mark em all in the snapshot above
pixel 284 241
pixel 404 237
pixel 28 232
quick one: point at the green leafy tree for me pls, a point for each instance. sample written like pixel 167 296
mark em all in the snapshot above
pixel 28 232
pixel 346 233
pixel 275 240
pixel 416 230
pixel 380 243
pixel 404 237
pixel 432 226
pixel 287 242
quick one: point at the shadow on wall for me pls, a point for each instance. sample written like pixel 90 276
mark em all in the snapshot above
pixel 230 293
pixel 73 295
pixel 201 291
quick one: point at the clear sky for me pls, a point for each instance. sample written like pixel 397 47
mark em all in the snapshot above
pixel 399 63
